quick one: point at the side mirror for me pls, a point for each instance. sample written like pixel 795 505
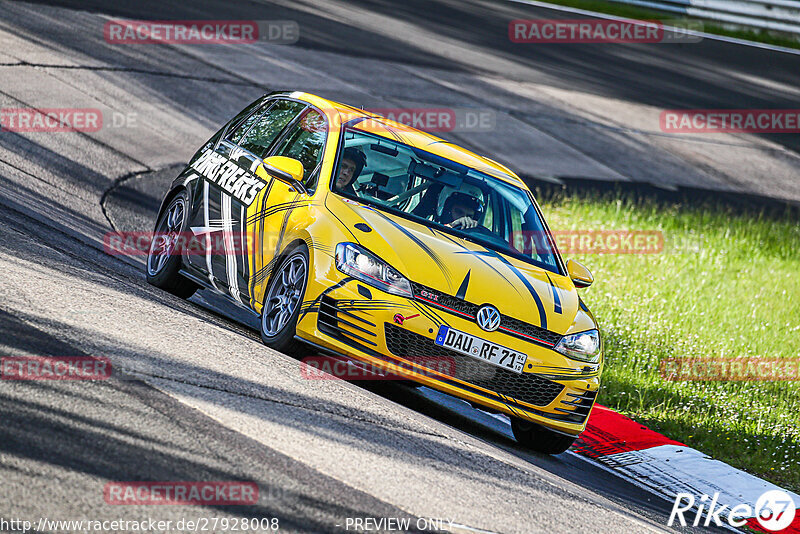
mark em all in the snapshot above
pixel 580 275
pixel 287 170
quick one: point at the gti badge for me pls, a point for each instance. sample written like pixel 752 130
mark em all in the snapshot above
pixel 488 318
pixel 430 296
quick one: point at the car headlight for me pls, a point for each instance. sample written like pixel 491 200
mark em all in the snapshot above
pixel 583 346
pixel 355 261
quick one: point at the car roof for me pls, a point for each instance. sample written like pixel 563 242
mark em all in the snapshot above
pixel 338 113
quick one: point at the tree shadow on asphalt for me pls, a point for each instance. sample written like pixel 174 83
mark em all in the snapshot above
pixel 346 424
pixel 113 431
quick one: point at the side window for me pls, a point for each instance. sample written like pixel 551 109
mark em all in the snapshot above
pixel 266 129
pixel 239 132
pixel 488 219
pixel 306 143
pixel 517 238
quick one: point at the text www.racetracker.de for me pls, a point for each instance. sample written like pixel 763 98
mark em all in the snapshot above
pixel 200 524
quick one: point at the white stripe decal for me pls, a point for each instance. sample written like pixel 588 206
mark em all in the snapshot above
pixel 208 236
pixel 231 265
pixel 243 243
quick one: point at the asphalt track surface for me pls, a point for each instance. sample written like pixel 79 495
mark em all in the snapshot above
pixel 195 395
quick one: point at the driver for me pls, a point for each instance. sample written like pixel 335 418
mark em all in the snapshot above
pixel 353 162
pixel 460 210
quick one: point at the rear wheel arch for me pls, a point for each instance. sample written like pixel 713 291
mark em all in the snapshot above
pixel 175 191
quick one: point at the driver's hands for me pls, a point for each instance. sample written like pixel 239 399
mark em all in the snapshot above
pixel 463 223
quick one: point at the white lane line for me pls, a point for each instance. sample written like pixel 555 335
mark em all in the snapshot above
pixel 704 35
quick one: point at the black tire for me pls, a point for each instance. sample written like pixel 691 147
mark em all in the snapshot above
pixel 539 438
pixel 282 303
pixel 162 263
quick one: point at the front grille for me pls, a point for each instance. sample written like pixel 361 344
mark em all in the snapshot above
pixel 551 338
pixel 508 325
pixel 528 388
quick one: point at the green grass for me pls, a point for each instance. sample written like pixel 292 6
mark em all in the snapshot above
pixel 633 12
pixel 726 285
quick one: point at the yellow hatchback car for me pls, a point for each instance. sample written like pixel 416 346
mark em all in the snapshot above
pixel 392 248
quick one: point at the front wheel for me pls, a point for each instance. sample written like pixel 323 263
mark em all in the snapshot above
pixel 282 302
pixel 540 439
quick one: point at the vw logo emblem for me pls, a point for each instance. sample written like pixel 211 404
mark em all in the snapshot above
pixel 488 318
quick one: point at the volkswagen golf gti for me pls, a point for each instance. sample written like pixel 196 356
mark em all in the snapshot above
pixel 356 236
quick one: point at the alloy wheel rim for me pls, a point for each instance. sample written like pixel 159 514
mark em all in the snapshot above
pixel 166 237
pixel 284 296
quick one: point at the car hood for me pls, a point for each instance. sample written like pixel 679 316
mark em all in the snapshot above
pixel 461 268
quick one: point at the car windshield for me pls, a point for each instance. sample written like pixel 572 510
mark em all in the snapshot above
pixel 443 194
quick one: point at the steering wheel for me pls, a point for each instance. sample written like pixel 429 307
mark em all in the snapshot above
pixel 479 229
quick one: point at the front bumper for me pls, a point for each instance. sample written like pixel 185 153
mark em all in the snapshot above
pixel 362 323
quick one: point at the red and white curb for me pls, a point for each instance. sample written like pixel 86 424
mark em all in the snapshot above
pixel 670 468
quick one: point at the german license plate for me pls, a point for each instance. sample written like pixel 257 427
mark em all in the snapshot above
pixel 480 349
